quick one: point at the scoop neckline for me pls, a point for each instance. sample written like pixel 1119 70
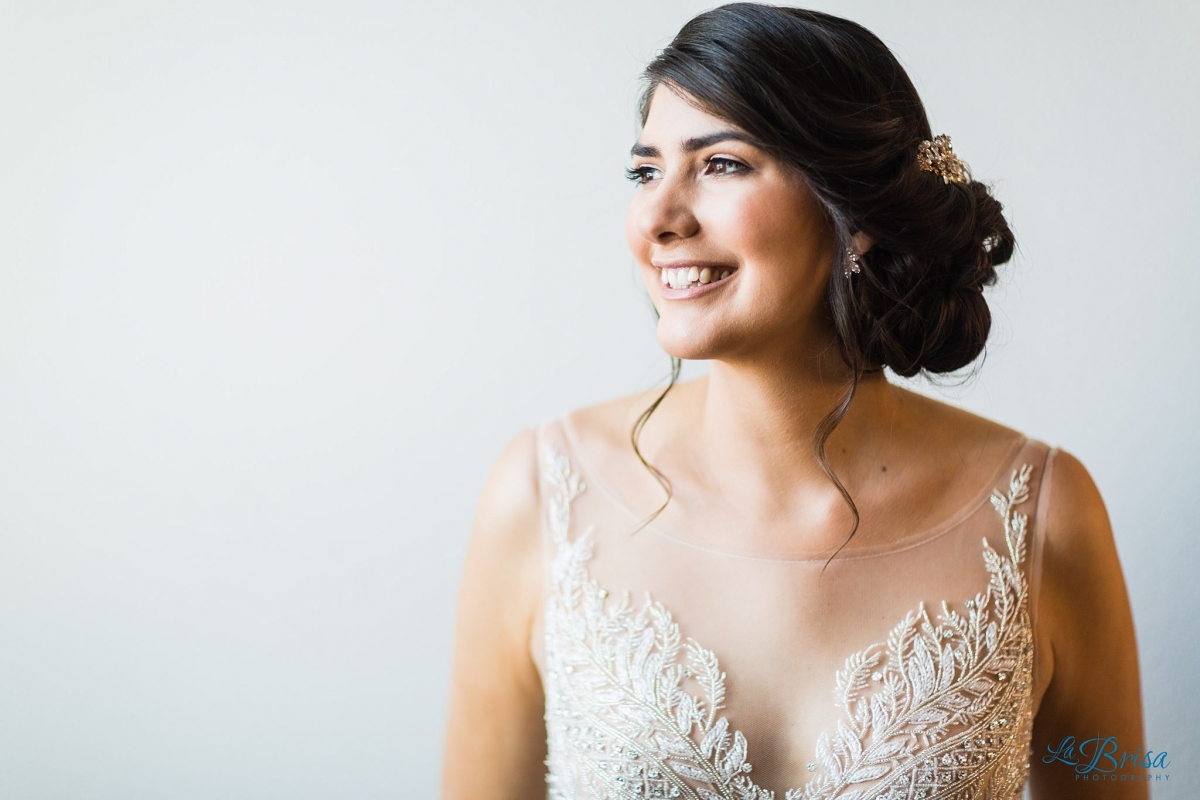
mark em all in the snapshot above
pixel 916 539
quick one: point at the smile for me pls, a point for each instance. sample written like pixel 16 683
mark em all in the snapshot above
pixel 685 282
pixel 687 277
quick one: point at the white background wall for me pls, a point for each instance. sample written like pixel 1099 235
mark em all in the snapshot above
pixel 279 280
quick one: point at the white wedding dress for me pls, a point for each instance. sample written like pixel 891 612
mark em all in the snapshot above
pixel 676 666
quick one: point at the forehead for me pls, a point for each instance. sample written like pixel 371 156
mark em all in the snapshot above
pixel 673 116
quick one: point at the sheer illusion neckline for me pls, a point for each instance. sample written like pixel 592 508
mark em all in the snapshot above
pixel 908 541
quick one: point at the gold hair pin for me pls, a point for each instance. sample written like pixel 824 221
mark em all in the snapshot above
pixel 936 156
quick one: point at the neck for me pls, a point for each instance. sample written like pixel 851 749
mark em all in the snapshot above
pixel 756 424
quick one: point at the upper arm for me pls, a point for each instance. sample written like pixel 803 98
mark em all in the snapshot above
pixel 495 735
pixel 1095 687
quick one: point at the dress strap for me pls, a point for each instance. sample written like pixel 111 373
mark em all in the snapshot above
pixel 1042 657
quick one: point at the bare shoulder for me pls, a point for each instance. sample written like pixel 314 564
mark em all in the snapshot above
pixel 512 482
pixel 1077 516
pixel 609 424
pixel 954 435
pixel 508 514
pixel 501 579
pixel 1080 562
pixel 616 416
pixel 1085 606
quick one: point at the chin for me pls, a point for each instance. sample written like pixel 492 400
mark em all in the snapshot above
pixel 686 345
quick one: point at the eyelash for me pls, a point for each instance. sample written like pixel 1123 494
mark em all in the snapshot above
pixel 638 174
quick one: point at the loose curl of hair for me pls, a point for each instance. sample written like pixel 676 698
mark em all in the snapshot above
pixel 826 97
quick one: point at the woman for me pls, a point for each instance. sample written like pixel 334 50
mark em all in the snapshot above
pixel 826 604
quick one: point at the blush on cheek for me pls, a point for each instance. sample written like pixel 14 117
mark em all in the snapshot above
pixel 783 227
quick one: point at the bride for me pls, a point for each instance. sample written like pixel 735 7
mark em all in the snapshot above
pixel 791 577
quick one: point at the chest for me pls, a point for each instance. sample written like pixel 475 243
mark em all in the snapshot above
pixel 682 674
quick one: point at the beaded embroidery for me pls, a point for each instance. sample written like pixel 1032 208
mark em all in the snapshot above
pixel 939 711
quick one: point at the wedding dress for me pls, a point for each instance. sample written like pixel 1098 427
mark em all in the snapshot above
pixel 677 666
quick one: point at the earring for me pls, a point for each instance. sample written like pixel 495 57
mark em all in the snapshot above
pixel 853 262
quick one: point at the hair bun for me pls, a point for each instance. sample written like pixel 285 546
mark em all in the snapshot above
pixel 922 306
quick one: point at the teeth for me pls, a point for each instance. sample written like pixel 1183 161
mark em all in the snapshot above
pixel 684 277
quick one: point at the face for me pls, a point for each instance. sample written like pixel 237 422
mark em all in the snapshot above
pixel 710 204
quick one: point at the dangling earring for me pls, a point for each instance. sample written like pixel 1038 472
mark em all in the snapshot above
pixel 853 262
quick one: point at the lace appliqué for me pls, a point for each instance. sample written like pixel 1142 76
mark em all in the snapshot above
pixel 936 711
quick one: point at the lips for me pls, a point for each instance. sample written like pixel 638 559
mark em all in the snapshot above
pixel 689 263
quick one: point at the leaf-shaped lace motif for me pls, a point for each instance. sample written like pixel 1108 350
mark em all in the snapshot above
pixel 935 711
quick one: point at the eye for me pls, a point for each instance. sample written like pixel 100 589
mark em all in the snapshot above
pixel 641 174
pixel 720 165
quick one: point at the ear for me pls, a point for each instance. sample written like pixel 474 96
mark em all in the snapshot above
pixel 861 242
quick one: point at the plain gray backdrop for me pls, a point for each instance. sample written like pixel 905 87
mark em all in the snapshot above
pixel 279 280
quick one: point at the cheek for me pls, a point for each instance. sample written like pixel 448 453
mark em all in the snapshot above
pixel 777 231
pixel 633 237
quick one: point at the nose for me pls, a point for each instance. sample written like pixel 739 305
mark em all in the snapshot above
pixel 666 213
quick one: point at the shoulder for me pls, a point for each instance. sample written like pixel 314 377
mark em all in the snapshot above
pixel 954 441
pixel 609 423
pixel 502 570
pixel 1076 514
pixel 511 486
pixel 957 423
pixel 1080 555
pixel 1084 597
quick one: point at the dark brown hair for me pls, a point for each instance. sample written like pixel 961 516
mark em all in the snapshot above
pixel 826 97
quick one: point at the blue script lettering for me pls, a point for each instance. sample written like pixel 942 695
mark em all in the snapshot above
pixel 1099 754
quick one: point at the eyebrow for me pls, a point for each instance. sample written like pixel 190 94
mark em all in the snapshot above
pixel 691 145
